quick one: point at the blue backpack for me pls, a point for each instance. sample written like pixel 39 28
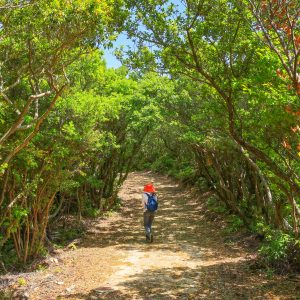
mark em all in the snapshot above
pixel 152 204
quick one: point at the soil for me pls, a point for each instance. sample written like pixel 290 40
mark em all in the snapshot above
pixel 191 256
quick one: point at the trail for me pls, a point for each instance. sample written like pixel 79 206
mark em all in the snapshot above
pixel 189 259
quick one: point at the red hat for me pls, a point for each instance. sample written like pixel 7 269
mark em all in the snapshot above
pixel 149 188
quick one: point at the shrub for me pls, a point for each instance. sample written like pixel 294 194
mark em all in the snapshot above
pixel 280 250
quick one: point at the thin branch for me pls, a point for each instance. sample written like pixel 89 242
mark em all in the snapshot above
pixel 4 186
pixel 267 37
pixel 20 119
pixel 15 200
pixel 8 101
pixel 197 14
pixel 15 6
pixel 12 85
pixel 36 128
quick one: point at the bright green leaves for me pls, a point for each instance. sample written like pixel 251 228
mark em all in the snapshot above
pixel 19 213
pixel 69 130
pixel 51 149
pixel 238 115
pixel 3 167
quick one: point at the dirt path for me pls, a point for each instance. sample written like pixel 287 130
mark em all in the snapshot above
pixel 189 258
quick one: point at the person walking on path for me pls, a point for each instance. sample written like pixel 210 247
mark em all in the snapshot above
pixel 150 204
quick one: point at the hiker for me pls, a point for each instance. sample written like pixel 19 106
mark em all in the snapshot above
pixel 150 204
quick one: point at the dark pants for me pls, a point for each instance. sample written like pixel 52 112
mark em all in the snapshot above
pixel 148 219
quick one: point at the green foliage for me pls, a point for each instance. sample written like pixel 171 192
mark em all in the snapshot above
pixel 82 155
pixel 117 204
pixel 202 184
pixel 215 205
pixel 235 224
pixel 42 43
pixel 163 164
pixel 185 173
pixel 8 254
pixel 90 211
pixel 276 246
pixel 19 213
pixel 3 167
pixel 68 235
pixel 234 119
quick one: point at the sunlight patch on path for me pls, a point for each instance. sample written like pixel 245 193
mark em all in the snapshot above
pixel 139 261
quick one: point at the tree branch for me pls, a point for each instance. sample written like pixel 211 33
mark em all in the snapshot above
pixel 20 119
pixel 36 128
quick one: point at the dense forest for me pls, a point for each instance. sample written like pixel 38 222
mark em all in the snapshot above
pixel 209 94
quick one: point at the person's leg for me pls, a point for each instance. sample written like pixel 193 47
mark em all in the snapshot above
pixel 147 224
pixel 151 218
